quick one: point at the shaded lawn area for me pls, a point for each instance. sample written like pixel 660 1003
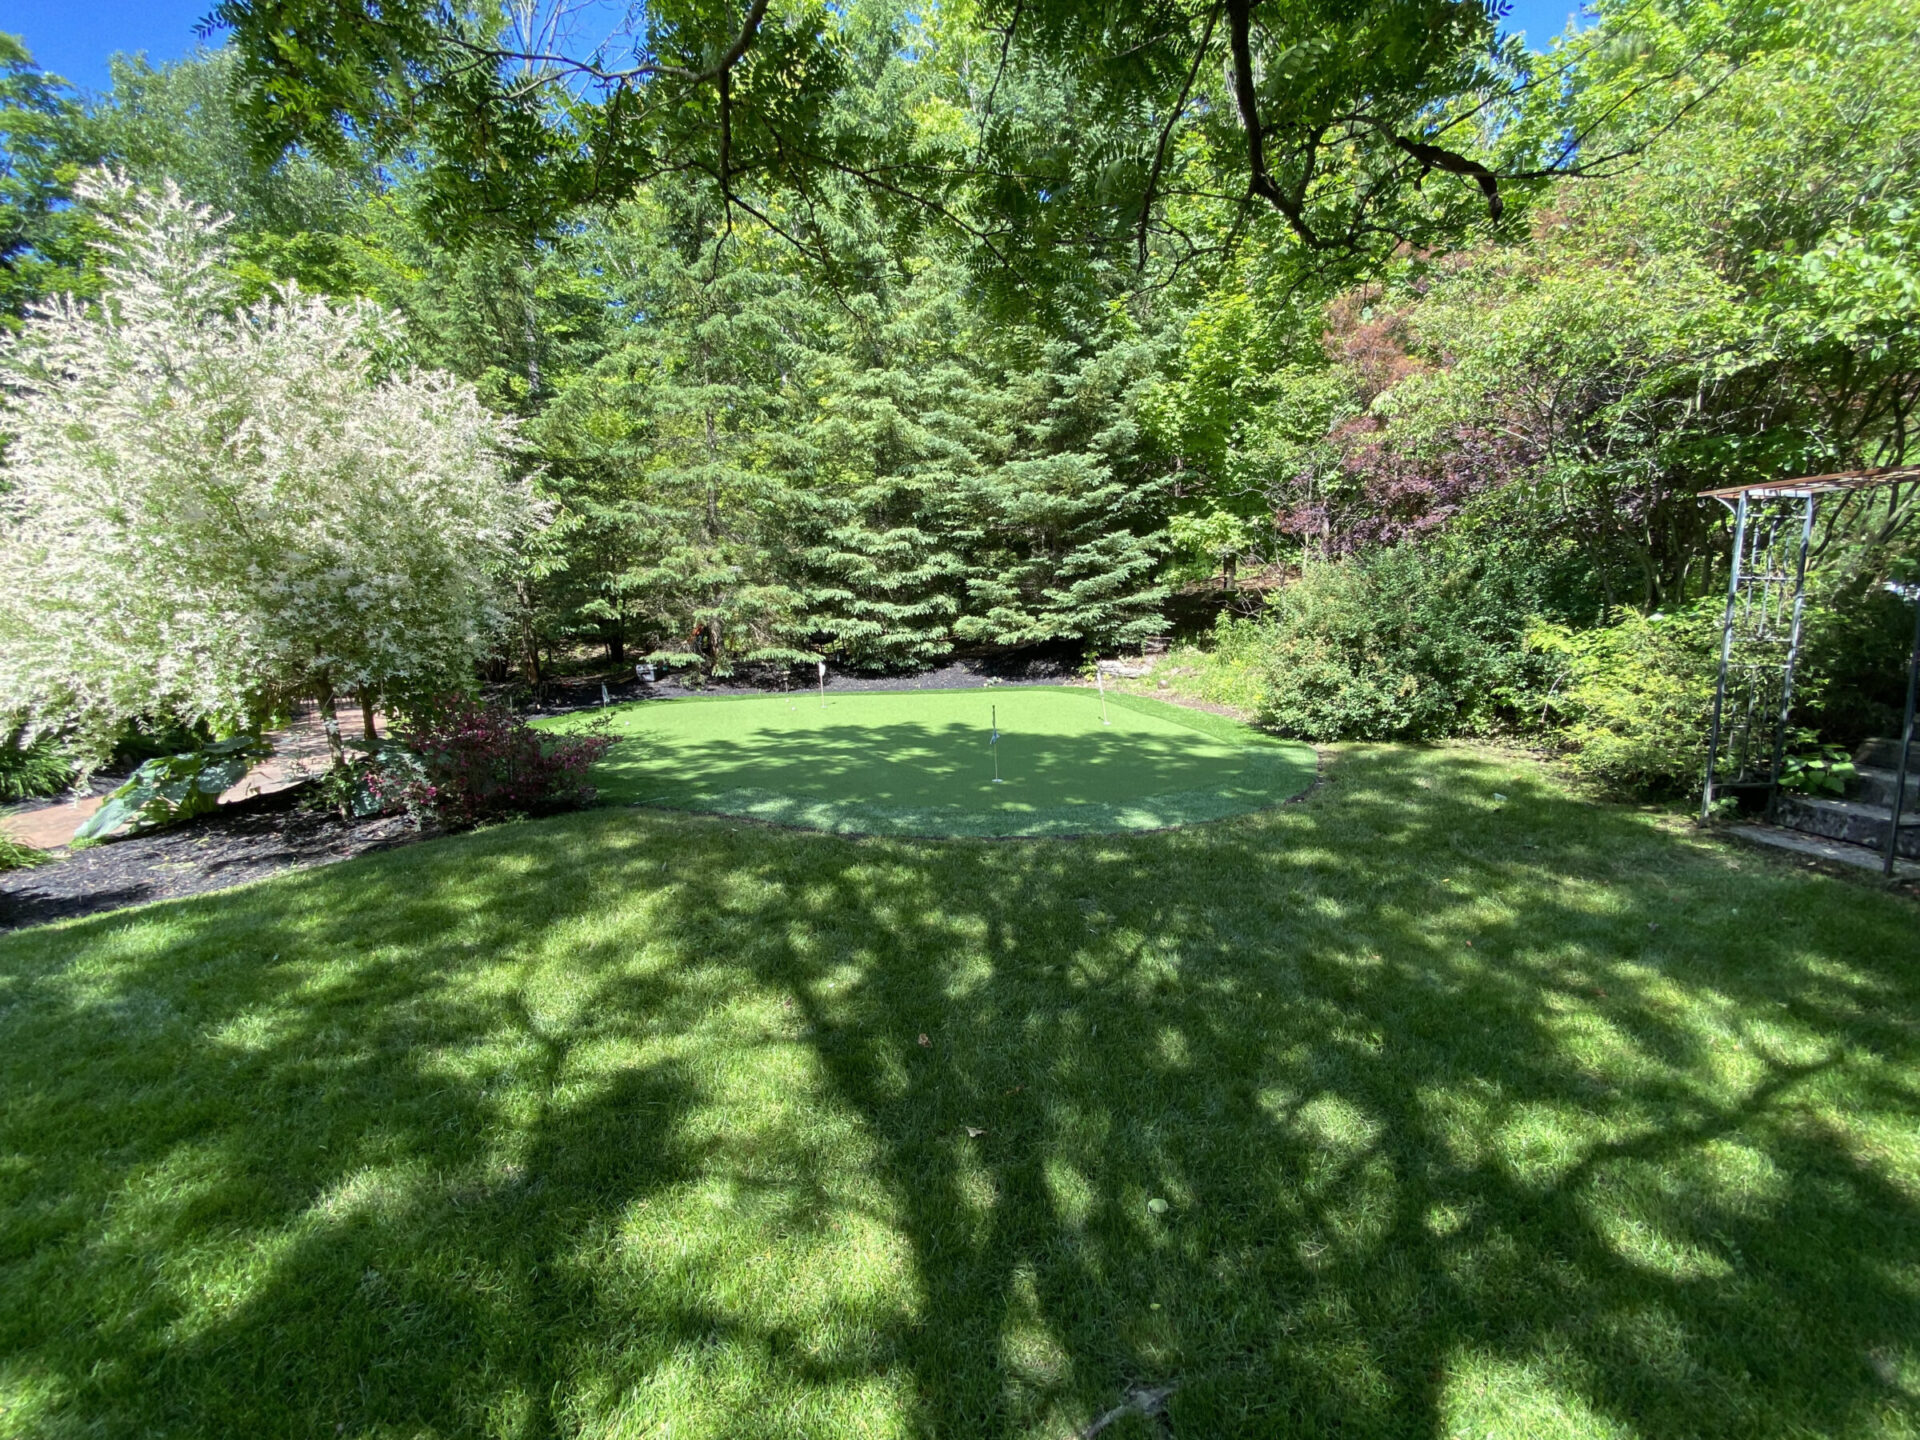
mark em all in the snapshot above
pixel 1469 1119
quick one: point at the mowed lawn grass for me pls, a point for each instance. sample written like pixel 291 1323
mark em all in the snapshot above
pixel 924 763
pixel 1470 1117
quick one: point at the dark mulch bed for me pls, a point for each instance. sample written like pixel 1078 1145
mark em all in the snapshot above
pixel 248 841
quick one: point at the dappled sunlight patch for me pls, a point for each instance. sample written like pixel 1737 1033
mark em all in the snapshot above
pixel 214 1289
pixel 1601 1044
pixel 31 1399
pixel 972 1188
pixel 1882 1142
pixel 1644 1244
pixel 1783 1042
pixel 771 1254
pixel 1174 1052
pixel 258 1031
pixel 1037 1366
pixel 1073 1195
pixel 121 943
pixel 1484 1395
pixel 965 974
pixel 1539 1144
pixel 162 1199
pixel 1667 1345
pixel 1896 1365
pixel 369 1192
pixel 1443 1220
pixel 1850 978
pixel 1335 1125
pixel 1279 1101
pixel 734 1387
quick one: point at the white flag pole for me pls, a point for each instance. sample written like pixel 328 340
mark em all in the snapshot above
pixel 993 741
pixel 1102 676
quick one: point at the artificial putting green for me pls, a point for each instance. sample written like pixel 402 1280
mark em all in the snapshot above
pixel 918 762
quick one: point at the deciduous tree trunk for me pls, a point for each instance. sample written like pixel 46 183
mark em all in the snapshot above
pixel 330 722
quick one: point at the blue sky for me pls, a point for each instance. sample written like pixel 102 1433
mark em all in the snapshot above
pixel 74 37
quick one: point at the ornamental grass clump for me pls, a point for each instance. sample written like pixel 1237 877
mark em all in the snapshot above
pixel 39 767
pixel 17 855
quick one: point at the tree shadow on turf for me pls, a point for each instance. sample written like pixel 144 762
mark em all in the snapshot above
pixel 1448 1141
pixel 914 779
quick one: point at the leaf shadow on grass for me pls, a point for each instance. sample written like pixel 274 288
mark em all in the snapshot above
pixel 916 778
pixel 581 1126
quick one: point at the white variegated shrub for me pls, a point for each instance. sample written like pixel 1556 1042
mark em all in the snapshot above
pixel 211 509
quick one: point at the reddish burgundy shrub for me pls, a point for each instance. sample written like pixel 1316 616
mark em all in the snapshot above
pixel 1392 493
pixel 479 762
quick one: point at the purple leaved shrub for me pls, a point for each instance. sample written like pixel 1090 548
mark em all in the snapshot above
pixel 474 762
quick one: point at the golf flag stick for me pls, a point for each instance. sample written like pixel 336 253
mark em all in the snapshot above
pixel 823 684
pixel 1102 675
pixel 993 741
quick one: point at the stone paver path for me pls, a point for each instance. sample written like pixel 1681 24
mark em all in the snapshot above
pixel 299 753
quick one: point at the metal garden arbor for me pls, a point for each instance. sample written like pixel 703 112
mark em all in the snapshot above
pixel 1760 633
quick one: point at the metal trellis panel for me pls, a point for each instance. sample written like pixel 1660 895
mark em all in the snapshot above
pixel 1759 637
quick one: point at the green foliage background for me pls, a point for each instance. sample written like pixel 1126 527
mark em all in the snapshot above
pixel 1010 399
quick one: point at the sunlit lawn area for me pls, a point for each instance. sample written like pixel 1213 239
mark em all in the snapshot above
pixel 1066 761
pixel 1469 1117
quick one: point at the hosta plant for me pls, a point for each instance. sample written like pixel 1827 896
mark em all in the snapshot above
pixel 172 788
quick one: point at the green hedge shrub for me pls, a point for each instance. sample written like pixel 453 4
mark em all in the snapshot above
pixel 1410 643
pixel 1634 699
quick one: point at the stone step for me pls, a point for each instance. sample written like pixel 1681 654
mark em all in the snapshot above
pixel 1850 821
pixel 1813 847
pixel 1872 785
pixel 1885 754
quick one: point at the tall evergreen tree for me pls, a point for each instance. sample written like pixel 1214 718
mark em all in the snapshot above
pixel 666 454
pixel 1064 528
pixel 43 244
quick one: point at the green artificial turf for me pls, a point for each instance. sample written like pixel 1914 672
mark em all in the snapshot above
pixel 919 762
pixel 1440 1104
